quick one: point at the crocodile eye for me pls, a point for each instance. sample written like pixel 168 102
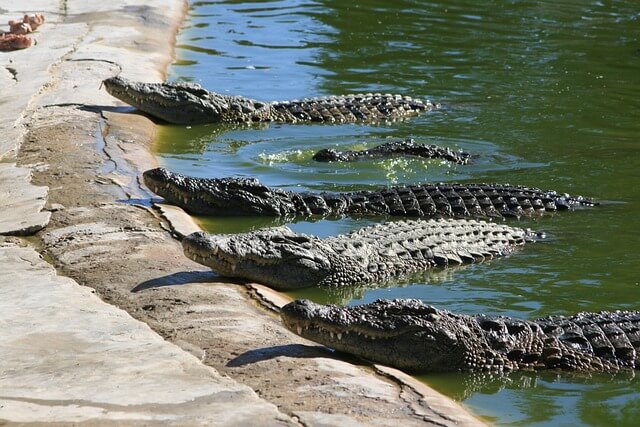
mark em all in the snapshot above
pixel 293 239
pixel 278 239
pixel 300 239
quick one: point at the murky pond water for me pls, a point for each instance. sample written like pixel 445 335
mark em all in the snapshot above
pixel 546 93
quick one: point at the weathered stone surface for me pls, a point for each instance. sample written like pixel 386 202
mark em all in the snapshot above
pixel 119 35
pixel 181 224
pixel 24 72
pixel 77 359
pixel 20 202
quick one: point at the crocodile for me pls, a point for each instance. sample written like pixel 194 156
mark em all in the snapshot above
pixel 417 337
pixel 247 196
pixel 283 259
pixel 407 147
pixel 190 103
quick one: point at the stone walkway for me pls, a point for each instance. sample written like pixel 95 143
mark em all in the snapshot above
pixel 69 357
pixel 21 202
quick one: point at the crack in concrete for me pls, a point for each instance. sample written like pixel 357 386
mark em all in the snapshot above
pixel 404 387
pixel 63 8
pixel 13 72
pixel 101 145
pixel 106 61
pixel 21 120
pixel 281 408
pixel 109 406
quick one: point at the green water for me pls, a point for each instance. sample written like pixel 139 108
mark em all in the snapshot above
pixel 547 93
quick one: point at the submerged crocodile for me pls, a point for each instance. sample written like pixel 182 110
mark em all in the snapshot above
pixel 190 103
pixel 283 259
pixel 247 196
pixel 411 335
pixel 407 147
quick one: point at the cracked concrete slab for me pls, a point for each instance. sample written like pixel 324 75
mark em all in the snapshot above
pixel 20 202
pixel 76 359
pixel 26 71
pixel 180 223
pixel 120 34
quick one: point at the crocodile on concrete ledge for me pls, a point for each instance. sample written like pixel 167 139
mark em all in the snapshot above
pixel 247 196
pixel 407 147
pixel 189 103
pixel 411 335
pixel 283 259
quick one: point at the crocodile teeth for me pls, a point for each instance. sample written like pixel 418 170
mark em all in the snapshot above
pixel 233 267
pixel 299 330
pixel 339 336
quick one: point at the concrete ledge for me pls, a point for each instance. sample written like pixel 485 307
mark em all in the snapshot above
pixel 20 202
pixel 181 223
pixel 77 359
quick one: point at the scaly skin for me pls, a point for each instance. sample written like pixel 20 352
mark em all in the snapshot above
pixel 189 103
pixel 232 196
pixel 407 147
pixel 413 336
pixel 282 259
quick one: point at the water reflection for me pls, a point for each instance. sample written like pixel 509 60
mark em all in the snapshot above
pixel 546 398
pixel 241 35
pixel 357 294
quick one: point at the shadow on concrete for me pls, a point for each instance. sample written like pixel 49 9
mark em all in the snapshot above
pixel 96 108
pixel 148 203
pixel 108 108
pixel 299 351
pixel 176 279
pixel 101 109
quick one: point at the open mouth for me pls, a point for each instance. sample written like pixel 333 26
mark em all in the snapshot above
pixel 139 99
pixel 213 258
pixel 314 330
pixel 352 334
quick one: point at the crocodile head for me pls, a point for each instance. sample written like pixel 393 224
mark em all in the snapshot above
pixel 181 103
pixel 187 103
pixel 218 196
pixel 407 334
pixel 277 257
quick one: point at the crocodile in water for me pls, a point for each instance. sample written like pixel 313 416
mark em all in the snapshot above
pixel 283 259
pixel 190 103
pixel 411 335
pixel 407 147
pixel 247 196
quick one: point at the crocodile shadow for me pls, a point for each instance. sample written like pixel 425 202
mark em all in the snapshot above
pixel 299 351
pixel 176 279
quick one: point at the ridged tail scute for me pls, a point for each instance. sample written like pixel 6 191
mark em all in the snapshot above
pixel 368 107
pixel 461 201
